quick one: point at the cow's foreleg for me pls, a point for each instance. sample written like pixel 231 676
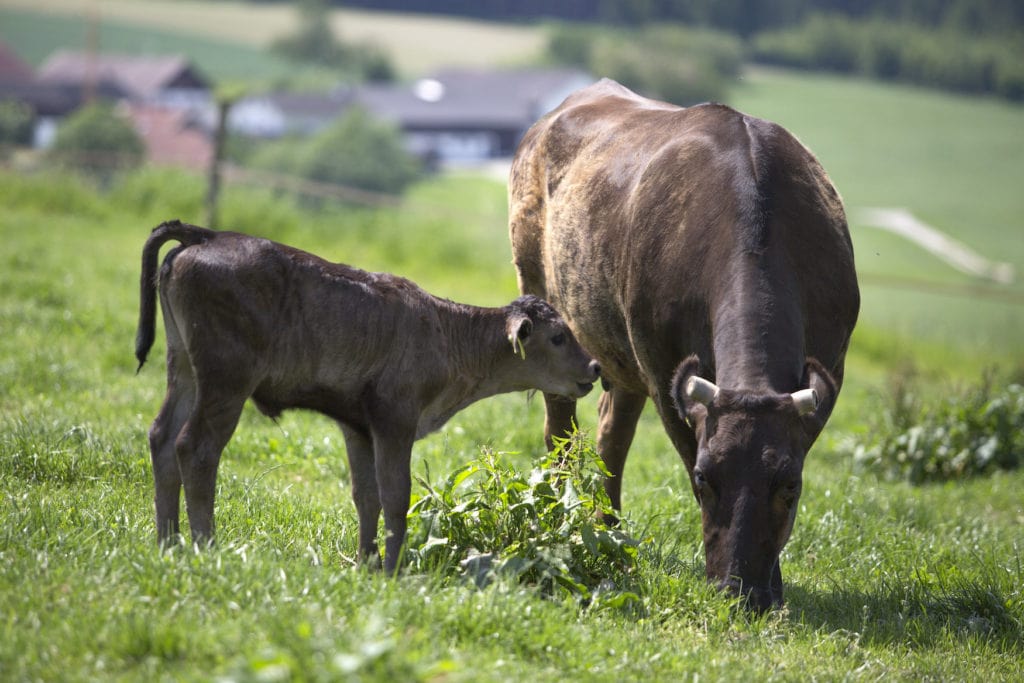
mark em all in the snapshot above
pixel 618 413
pixel 392 451
pixel 776 584
pixel 198 450
pixel 364 492
pixel 162 435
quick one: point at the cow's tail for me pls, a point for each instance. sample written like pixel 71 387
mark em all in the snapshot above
pixel 170 230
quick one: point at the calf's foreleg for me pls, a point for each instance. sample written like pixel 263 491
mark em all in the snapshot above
pixel 392 454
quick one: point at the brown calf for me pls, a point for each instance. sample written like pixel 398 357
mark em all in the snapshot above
pixel 247 317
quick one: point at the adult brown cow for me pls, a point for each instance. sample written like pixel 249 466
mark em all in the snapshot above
pixel 689 248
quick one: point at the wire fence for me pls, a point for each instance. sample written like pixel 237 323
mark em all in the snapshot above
pixel 1001 294
pixel 236 175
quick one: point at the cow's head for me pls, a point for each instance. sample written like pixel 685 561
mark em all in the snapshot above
pixel 551 359
pixel 748 472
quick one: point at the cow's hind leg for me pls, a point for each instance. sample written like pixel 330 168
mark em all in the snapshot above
pixel 618 411
pixel 198 448
pixel 364 492
pixel 162 436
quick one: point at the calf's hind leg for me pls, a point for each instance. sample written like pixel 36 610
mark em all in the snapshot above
pixel 162 436
pixel 198 449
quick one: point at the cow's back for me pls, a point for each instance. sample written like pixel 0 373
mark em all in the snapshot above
pixel 631 215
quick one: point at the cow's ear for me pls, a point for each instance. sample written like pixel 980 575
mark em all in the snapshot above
pixel 518 326
pixel 819 379
pixel 690 409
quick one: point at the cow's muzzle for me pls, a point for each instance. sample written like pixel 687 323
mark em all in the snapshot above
pixel 753 598
pixel 593 374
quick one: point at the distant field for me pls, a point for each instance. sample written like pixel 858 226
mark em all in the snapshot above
pixel 417 43
pixel 956 162
pixel 36 36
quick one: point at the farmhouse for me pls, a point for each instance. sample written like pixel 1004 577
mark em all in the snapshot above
pixel 461 115
pixel 47 101
pixel 167 100
pixel 173 137
pixel 452 116
pixel 165 80
pixel 274 115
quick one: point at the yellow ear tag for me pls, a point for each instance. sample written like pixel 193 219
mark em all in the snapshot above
pixel 517 346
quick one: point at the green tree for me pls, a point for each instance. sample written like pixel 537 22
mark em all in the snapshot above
pixel 15 124
pixel 96 140
pixel 670 62
pixel 315 42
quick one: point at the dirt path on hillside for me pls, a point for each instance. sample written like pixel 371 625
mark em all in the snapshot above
pixel 955 253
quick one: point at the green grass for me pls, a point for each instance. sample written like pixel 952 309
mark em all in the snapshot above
pixel 883 579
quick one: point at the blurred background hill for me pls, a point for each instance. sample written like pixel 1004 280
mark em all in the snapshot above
pixel 911 106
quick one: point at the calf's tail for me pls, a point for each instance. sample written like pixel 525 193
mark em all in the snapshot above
pixel 188 235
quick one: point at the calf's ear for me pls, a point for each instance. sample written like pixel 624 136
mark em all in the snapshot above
pixel 518 326
pixel 688 404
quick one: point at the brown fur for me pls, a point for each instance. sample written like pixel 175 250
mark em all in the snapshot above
pixel 247 317
pixel 664 234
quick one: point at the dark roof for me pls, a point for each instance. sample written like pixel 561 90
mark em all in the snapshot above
pixel 459 98
pixel 139 77
pixel 321 105
pixel 12 69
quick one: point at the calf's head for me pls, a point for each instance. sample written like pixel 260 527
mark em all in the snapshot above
pixel 747 475
pixel 549 357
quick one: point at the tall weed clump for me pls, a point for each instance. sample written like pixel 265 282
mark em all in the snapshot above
pixel 490 522
pixel 966 433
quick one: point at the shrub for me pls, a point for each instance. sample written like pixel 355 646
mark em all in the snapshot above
pixel 965 434
pixel 96 140
pixel 355 151
pixel 943 58
pixel 540 528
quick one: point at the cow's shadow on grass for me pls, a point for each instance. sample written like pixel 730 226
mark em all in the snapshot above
pixel 912 616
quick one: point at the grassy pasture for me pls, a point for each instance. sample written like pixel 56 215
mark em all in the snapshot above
pixel 884 580
pixel 955 162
